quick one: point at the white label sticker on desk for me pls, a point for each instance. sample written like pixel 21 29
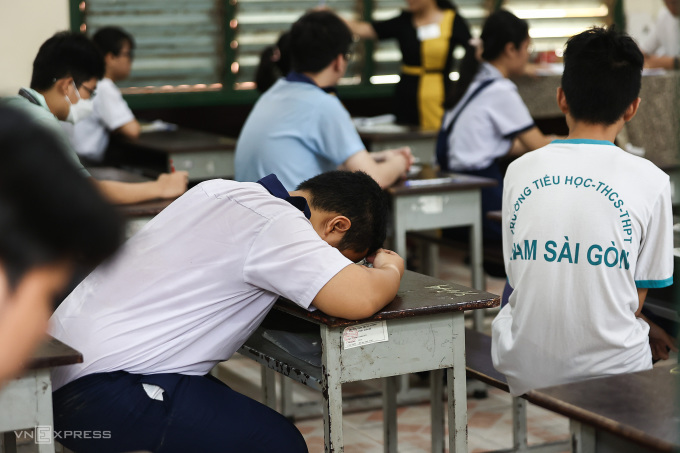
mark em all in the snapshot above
pixel 432 204
pixel 363 334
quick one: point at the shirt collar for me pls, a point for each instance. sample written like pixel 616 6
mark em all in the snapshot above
pixel 298 77
pixel 489 71
pixel 274 187
pixel 30 94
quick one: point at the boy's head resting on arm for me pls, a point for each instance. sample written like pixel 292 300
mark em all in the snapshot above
pixel 117 46
pixel 62 61
pixel 349 211
pixel 48 212
pixel 602 76
pixel 317 39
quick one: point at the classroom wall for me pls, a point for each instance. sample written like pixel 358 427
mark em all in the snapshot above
pixel 24 26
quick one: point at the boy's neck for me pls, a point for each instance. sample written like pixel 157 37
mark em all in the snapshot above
pixel 108 75
pixel 589 131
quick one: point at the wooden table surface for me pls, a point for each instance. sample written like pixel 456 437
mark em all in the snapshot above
pixel 53 352
pixel 438 183
pixel 180 140
pixel 640 407
pixel 418 295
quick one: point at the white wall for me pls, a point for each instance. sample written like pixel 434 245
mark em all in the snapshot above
pixel 641 16
pixel 24 26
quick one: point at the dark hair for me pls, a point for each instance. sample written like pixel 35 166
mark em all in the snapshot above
pixel 356 196
pixel 66 54
pixel 48 211
pixel 274 63
pixel 500 28
pixel 446 4
pixel 602 75
pixel 316 39
pixel 112 39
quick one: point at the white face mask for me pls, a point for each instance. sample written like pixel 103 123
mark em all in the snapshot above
pixel 79 111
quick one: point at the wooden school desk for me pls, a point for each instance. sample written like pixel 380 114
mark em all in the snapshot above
pixel 202 154
pixel 627 413
pixel 389 136
pixel 136 215
pixel 26 402
pixel 425 332
pixel 451 200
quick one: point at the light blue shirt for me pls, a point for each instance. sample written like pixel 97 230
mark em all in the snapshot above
pixel 296 131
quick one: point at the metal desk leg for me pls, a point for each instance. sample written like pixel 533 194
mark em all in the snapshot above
pixel 456 389
pixel 476 258
pixel 390 414
pixel 437 410
pixel 331 388
pixel 9 442
pixel 269 387
pixel 287 404
pixel 519 424
pixel 582 437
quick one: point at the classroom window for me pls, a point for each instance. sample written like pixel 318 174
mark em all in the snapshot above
pixel 261 22
pixel 551 24
pixel 178 42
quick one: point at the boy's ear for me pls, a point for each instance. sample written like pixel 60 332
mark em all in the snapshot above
pixel 562 101
pixel 338 225
pixel 631 110
pixel 62 85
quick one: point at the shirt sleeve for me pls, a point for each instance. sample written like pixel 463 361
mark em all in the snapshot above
pixel 508 113
pixel 111 108
pixel 654 267
pixel 390 28
pixel 289 258
pixel 339 138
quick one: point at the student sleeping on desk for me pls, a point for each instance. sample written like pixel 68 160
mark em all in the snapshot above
pixel 185 293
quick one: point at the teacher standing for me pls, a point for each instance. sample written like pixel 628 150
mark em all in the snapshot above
pixel 427 31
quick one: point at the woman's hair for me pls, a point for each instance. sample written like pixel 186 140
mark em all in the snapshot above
pixel 274 63
pixel 446 4
pixel 499 29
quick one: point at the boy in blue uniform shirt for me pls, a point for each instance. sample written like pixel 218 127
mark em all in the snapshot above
pixel 297 129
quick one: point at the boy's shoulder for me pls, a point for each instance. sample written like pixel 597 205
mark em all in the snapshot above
pixel 594 155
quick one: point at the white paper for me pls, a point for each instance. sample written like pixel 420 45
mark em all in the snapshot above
pixel 431 31
pixel 363 334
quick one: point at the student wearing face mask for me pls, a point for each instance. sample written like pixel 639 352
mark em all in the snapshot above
pixel 111 114
pixel 65 73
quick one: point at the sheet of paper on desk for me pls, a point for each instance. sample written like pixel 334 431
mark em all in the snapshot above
pixel 157 126
pixel 363 334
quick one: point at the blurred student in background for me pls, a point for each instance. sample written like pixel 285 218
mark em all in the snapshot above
pixel 274 63
pixel 485 116
pixel 110 114
pixel 65 75
pixel 51 218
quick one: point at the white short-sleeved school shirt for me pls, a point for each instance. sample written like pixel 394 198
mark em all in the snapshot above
pixel 584 225
pixel 188 289
pixel 40 113
pixel 297 131
pixel 664 39
pixel 90 136
pixel 487 125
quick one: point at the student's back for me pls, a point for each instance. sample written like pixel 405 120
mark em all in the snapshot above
pixel 586 230
pixel 295 130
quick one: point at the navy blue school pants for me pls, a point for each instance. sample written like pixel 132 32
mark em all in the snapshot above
pixel 197 414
